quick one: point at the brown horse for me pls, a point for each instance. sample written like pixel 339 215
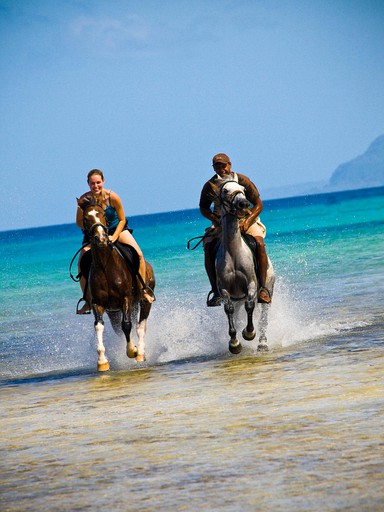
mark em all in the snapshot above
pixel 113 287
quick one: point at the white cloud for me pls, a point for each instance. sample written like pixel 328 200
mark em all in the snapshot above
pixel 111 33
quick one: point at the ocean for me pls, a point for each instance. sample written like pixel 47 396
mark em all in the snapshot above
pixel 194 427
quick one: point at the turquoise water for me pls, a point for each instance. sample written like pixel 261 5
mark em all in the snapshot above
pixel 326 249
pixel 194 427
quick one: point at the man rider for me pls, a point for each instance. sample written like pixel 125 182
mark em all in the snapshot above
pixel 251 224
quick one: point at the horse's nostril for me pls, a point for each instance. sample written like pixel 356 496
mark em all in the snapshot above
pixel 244 203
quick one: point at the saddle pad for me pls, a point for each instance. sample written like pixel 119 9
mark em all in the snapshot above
pixel 251 242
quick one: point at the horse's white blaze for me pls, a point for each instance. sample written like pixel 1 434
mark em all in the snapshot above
pixel 94 215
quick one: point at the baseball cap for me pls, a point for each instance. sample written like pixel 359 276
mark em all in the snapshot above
pixel 221 158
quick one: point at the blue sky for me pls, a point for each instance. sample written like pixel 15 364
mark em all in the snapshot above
pixel 149 90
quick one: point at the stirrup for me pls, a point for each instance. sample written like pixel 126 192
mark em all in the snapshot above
pixel 215 300
pixel 78 310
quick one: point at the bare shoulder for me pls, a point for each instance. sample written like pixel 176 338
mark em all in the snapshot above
pixel 114 198
pixel 113 194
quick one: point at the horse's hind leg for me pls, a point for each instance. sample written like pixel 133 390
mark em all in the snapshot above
pixel 126 325
pixel 263 324
pixel 102 361
pixel 263 320
pixel 249 332
pixel 141 330
pixel 145 308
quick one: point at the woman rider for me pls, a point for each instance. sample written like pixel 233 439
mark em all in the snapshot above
pixel 117 228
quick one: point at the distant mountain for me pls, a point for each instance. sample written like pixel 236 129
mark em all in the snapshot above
pixel 364 171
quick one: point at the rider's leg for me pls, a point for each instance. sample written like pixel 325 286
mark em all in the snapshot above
pixel 262 261
pixel 126 238
pixel 258 231
pixel 209 263
pixel 83 285
pixel 210 249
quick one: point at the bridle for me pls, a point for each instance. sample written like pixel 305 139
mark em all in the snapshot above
pixel 228 204
pixel 89 230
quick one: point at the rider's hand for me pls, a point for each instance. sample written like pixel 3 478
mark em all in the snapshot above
pixel 244 225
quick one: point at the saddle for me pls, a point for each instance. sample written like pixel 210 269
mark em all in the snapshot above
pixel 127 252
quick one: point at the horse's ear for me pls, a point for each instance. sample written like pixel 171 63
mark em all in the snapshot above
pixel 85 201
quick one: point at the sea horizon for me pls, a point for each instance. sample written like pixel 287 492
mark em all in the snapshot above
pixel 282 202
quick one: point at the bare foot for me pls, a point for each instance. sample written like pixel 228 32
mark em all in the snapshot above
pixel 148 295
pixel 264 296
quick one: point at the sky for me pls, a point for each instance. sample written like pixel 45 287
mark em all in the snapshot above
pixel 149 90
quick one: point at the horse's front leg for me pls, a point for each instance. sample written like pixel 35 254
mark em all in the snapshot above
pixel 102 361
pixel 234 344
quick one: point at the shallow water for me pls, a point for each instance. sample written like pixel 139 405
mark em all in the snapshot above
pixel 298 429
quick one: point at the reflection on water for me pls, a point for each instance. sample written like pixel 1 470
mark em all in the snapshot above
pixel 297 429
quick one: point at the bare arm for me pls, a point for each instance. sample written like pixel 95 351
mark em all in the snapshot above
pixel 205 203
pixel 255 212
pixel 208 214
pixel 118 206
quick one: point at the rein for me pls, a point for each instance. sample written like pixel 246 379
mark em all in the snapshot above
pixel 200 238
pixel 77 278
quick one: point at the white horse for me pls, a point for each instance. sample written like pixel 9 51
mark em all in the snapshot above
pixel 235 269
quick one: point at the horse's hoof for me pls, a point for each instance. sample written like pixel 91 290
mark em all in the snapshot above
pixel 103 367
pixel 132 353
pixel 248 335
pixel 235 349
pixel 262 347
pixel 140 358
